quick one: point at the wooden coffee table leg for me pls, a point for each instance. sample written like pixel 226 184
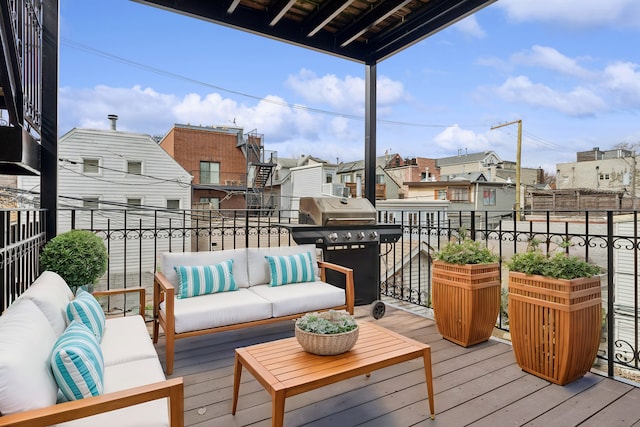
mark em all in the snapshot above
pixel 277 408
pixel 237 371
pixel 426 356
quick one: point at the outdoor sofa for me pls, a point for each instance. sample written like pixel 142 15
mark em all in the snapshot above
pixel 252 286
pixel 42 354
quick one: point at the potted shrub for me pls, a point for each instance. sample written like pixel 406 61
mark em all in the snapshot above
pixel 79 256
pixel 465 291
pixel 554 314
pixel 327 333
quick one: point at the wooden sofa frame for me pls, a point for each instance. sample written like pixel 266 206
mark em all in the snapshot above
pixel 163 290
pixel 172 389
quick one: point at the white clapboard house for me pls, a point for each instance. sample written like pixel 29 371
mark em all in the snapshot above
pixel 127 189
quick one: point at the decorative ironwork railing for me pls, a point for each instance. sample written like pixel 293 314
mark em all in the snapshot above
pixel 135 238
pixel 22 237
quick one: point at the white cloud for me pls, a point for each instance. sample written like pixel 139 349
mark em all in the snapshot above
pixel 577 102
pixel 455 137
pixel 287 130
pixel 586 92
pixel 550 58
pixel 471 27
pixel 623 79
pixel 622 13
pixel 88 108
pixel 345 95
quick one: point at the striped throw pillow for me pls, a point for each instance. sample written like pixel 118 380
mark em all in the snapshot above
pixel 205 279
pixel 85 308
pixel 77 363
pixel 290 268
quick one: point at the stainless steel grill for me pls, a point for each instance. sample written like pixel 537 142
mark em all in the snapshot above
pixel 330 221
pixel 349 234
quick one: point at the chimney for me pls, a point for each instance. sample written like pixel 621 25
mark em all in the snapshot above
pixel 113 118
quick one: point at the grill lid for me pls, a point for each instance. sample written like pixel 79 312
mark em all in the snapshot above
pixel 327 211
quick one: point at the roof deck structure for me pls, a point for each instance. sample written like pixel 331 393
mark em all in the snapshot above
pixel 365 31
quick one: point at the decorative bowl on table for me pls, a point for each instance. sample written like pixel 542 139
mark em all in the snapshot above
pixel 327 333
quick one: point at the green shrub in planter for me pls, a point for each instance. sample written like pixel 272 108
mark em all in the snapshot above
pixel 466 252
pixel 558 266
pixel 79 256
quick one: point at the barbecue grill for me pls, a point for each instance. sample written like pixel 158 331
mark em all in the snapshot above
pixel 347 231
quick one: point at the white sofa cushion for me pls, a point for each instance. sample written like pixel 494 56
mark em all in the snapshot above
pixel 126 339
pixel 26 339
pixel 259 272
pixel 123 376
pixel 51 294
pixel 300 297
pixel 172 259
pixel 220 309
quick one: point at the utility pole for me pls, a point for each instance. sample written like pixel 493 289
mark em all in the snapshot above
pixel 518 160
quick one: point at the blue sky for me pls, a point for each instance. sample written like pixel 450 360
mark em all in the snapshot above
pixel 568 69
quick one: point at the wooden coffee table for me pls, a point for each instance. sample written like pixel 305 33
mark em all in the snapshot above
pixel 284 369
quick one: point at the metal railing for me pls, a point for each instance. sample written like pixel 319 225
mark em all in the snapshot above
pixel 23 235
pixel 136 238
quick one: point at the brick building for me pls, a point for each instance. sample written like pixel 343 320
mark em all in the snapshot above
pixel 225 164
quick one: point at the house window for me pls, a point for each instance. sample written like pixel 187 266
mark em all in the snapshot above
pixel 215 202
pixel 209 173
pixel 90 202
pixel 489 197
pixel 133 202
pixel 459 194
pixel 379 179
pixel 345 178
pixel 90 165
pixel 134 168
pixel 442 195
pixel 328 178
pixel 173 203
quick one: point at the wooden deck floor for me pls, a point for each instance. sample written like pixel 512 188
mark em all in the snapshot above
pixel 477 386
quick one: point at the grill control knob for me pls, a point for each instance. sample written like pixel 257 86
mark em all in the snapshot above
pixel 361 235
pixel 347 235
pixel 373 235
pixel 333 237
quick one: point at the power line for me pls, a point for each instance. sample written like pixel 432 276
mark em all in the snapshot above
pixel 110 56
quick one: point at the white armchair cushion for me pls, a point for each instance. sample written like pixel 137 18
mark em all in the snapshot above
pixel 220 309
pixel 26 338
pixel 300 297
pixel 51 294
pixel 169 260
pixel 259 272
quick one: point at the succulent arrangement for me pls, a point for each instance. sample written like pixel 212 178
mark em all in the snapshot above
pixel 327 322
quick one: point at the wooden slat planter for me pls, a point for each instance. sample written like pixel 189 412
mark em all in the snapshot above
pixel 555 325
pixel 466 301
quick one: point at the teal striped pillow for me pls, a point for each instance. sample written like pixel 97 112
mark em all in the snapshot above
pixel 85 308
pixel 291 268
pixel 77 363
pixel 205 279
